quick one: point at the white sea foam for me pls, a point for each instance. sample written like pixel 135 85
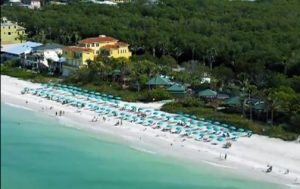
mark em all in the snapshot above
pixel 18 106
pixel 143 150
pixel 218 165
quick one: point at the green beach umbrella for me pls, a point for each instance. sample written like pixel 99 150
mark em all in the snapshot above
pixel 186 115
pixel 188 131
pixel 118 98
pixel 209 127
pixel 176 118
pixel 212 136
pixel 110 96
pixel 163 115
pixel 240 130
pixel 193 122
pixel 201 119
pixel 155 113
pixel 194 117
pixel 220 139
pixel 232 128
pixel 224 125
pixel 97 93
pixel 200 124
pixel 216 128
pixel 178 128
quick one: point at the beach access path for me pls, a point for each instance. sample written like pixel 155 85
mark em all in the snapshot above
pixel 247 156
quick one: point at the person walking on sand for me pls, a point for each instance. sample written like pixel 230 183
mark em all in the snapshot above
pixel 55 113
pixel 225 157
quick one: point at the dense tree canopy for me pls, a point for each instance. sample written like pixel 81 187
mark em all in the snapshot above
pixel 233 32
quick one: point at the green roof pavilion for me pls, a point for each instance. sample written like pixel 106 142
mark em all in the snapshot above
pixel 159 80
pixel 233 101
pixel 177 88
pixel 207 93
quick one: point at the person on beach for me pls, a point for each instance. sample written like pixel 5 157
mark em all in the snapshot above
pixel 287 172
pixel 269 169
pixel 26 102
pixel 55 113
pixel 121 122
pixel 225 157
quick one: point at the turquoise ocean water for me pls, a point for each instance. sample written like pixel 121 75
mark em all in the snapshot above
pixel 39 153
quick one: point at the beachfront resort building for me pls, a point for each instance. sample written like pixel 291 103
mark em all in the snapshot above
pixel 17 51
pixel 105 46
pixel 46 57
pixel 76 57
pixel 11 32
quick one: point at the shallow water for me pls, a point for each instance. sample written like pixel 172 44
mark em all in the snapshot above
pixel 38 152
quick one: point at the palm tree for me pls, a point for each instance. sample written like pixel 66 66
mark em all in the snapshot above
pixel 211 54
pixel 21 37
pixel 251 90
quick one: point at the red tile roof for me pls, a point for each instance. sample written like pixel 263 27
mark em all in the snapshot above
pixel 115 46
pixel 77 49
pixel 98 39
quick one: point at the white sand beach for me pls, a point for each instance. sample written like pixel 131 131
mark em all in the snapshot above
pixel 249 156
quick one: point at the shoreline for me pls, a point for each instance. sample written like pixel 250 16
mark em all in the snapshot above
pixel 248 155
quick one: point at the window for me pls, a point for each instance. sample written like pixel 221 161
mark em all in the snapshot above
pixel 97 45
pixel 9 33
pixel 15 27
pixel 88 45
pixel 9 27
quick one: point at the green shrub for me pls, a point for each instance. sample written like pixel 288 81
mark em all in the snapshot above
pixel 154 95
pixel 279 132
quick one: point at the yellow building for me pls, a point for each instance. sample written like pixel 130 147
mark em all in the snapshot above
pixel 78 56
pixel 118 50
pixel 11 32
pixel 106 46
